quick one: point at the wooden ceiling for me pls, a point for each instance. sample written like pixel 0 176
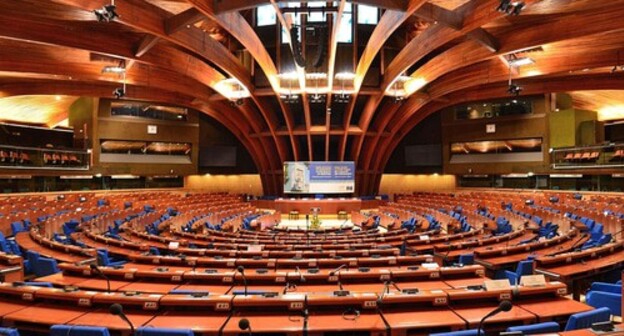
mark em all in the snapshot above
pixel 608 103
pixel 40 110
pixel 177 52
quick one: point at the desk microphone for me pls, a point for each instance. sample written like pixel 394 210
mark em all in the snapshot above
pixel 117 309
pixel 445 261
pixel 301 277
pixel 98 271
pixel 243 325
pixel 504 306
pixel 337 270
pixel 241 270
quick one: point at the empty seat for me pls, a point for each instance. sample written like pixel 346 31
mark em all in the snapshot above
pixel 72 330
pixel 9 332
pixel 151 331
pixel 538 328
pixel 598 299
pixel 525 267
pixel 586 319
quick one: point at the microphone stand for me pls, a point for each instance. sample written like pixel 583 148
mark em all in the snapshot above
pixel 98 271
pixel 573 248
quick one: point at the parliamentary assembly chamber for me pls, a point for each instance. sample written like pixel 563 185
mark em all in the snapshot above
pixel 322 168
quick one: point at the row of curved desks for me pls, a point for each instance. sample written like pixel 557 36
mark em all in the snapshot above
pixel 398 313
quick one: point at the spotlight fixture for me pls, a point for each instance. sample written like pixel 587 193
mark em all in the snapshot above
pixel 119 92
pixel 316 98
pixel 618 64
pixel 107 13
pixel 514 90
pixel 114 69
pixel 342 98
pixel 516 61
pixel 510 7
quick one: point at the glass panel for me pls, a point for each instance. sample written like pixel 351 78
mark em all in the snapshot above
pixel 368 14
pixel 265 16
pixel 345 34
pixel 317 16
pixel 296 20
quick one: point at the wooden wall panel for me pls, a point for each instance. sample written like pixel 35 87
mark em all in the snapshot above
pixel 233 184
pixel 405 183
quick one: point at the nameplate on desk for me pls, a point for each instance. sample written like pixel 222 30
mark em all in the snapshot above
pixel 423 237
pixel 254 248
pixel 537 280
pixel 434 275
pixel 227 279
pixel 492 285
pixel 222 306
pixel 430 266
pixel 84 302
pixel 129 276
pixel 150 305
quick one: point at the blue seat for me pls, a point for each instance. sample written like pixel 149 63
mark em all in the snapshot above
pixel 17 227
pixel 4 245
pixel 151 331
pixel 466 259
pixel 598 299
pixel 71 330
pixel 538 328
pixel 9 332
pixel 471 332
pixel 45 267
pixel 586 319
pixel 38 284
pixel 525 267
pixel 105 260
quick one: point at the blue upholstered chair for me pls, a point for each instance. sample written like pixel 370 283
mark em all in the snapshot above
pixel 71 330
pixel 9 332
pixel 607 287
pixel 151 331
pixel 45 267
pixel 466 259
pixel 105 260
pixel 538 328
pixel 525 267
pixel 586 319
pixel 471 332
pixel 17 227
pixel 598 299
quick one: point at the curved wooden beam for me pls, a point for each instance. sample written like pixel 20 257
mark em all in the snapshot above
pixel 239 28
pixel 468 52
pixel 388 24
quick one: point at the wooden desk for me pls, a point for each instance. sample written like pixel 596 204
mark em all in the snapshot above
pixel 204 325
pixel 573 272
pixel 103 318
pixel 423 322
pixel 555 309
pixel 473 313
pixel 149 287
pixel 42 315
pixel 265 323
pixel 327 206
pixel 10 306
pixel 326 322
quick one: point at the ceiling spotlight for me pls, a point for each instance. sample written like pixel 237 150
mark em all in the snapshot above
pixel 107 13
pixel 514 90
pixel 114 69
pixel 342 98
pixel 510 7
pixel 317 98
pixel 516 61
pixel 119 92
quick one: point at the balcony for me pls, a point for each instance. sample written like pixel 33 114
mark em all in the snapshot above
pixel 589 157
pixel 30 158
